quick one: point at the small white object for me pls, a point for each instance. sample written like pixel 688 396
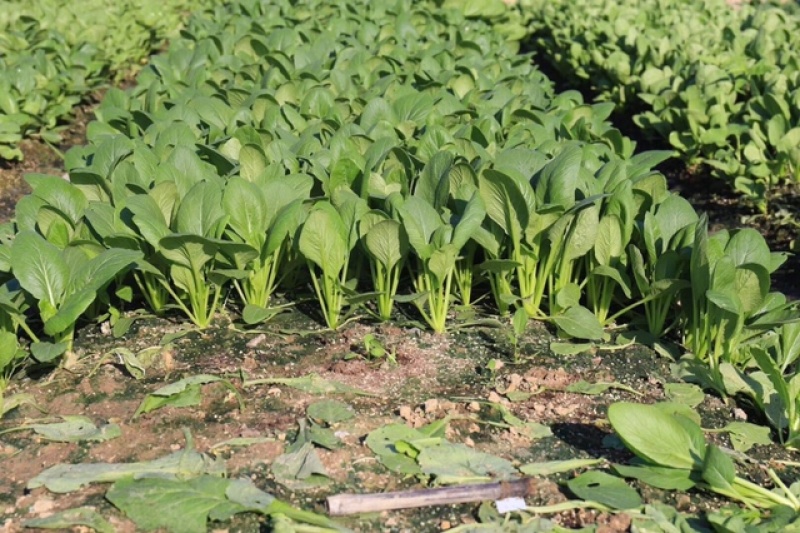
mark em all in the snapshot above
pixel 507 505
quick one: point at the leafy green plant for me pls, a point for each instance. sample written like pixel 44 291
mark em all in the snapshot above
pixel 64 283
pixel 436 244
pixel 728 303
pixel 386 244
pixel 674 454
pixel 325 243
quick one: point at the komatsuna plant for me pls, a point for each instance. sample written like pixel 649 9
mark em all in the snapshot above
pixel 436 242
pixel 63 283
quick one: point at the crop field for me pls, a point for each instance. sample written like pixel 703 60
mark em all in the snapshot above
pixel 263 260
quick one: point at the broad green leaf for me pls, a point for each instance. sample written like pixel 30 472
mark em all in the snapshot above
pixel 604 489
pixel 40 267
pixel 382 442
pixel 745 435
pixel 323 239
pixel 252 161
pixel 718 470
pixel 557 182
pixel 44 352
pixel 584 232
pixel 685 393
pixel 387 242
pixel 505 204
pixel 246 207
pixel 660 477
pixel 570 348
pixel 657 437
pixel 182 393
pixel 433 183
pixel 200 212
pixel 579 322
pixel 469 222
pixel 420 220
pixel 179 506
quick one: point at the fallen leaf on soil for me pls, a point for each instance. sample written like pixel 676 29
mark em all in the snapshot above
pixel 14 401
pixel 329 411
pixel 744 435
pixel 685 393
pixel 183 393
pixel 457 463
pixel 180 506
pixel 183 464
pixel 76 428
pixel 584 387
pixel 556 467
pixel 312 383
pixel 241 441
pixel 301 469
pixel 81 516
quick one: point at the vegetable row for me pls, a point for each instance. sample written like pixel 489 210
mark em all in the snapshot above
pixel 54 54
pixel 721 85
pixel 382 157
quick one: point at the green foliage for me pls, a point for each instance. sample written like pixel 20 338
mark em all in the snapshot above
pixel 51 59
pixel 719 84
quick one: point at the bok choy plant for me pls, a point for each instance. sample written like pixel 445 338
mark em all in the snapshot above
pixel 436 242
pixel 325 242
pixel 674 454
pixel 386 244
pixel 64 283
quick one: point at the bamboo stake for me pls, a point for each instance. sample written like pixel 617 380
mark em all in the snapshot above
pixel 346 504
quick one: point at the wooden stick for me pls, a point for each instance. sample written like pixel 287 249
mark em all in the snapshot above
pixel 346 504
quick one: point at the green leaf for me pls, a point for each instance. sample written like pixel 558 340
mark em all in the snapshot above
pixel 685 393
pixel 323 239
pixel 718 470
pixel 387 242
pixel 569 348
pixel 76 428
pixel 579 322
pixel 657 437
pixel 548 468
pixel 383 441
pixel 182 393
pixel 39 267
pixel 604 489
pixel 179 506
pixel 44 352
pixel 69 519
pixel 584 387
pixel 457 463
pixel 329 411
pixel 660 477
pixel 745 435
